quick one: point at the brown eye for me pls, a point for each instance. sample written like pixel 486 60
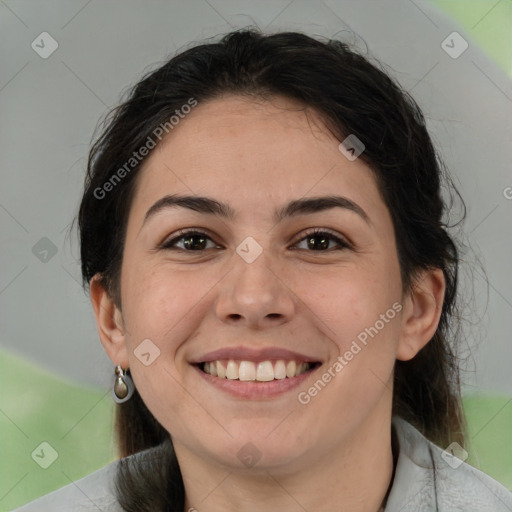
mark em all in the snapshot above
pixel 192 241
pixel 319 240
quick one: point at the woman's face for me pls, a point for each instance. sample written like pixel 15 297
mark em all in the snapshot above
pixel 254 286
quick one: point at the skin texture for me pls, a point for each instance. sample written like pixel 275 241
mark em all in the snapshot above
pixel 333 453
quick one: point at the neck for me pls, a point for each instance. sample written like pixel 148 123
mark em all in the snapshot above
pixel 355 475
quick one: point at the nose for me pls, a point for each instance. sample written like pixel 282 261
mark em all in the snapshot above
pixel 256 295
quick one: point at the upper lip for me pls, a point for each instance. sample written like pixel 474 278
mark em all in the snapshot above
pixel 250 354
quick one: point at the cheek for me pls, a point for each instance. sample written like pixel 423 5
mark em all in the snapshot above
pixel 360 315
pixel 163 306
pixel 354 302
pixel 166 304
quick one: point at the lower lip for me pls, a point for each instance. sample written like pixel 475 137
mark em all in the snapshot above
pixel 255 390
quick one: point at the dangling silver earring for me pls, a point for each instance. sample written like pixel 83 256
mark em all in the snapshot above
pixel 123 387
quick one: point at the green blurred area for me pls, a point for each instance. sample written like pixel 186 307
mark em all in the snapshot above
pixel 488 22
pixel 490 435
pixel 35 407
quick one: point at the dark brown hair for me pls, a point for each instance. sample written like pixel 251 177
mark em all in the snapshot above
pixel 353 96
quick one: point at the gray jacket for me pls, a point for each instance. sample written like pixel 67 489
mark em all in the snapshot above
pixel 426 480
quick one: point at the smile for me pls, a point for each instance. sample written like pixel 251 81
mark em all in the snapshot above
pixel 255 373
pixel 262 371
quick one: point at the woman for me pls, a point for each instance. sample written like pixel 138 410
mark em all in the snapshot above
pixel 262 235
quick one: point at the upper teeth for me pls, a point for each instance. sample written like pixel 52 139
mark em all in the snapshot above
pixel 263 371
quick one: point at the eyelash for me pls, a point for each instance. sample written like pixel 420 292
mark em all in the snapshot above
pixel 169 244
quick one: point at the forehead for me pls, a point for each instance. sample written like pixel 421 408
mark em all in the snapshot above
pixel 247 151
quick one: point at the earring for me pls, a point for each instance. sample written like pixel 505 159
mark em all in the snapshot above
pixel 123 386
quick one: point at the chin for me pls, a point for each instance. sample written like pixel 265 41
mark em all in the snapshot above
pixel 258 452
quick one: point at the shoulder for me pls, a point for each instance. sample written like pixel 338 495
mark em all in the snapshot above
pixel 428 478
pixel 91 493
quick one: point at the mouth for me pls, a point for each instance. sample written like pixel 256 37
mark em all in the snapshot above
pixel 251 371
pixel 255 375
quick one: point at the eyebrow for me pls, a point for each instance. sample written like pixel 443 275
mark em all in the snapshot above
pixel 208 205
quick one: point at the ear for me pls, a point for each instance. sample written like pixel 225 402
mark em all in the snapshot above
pixel 421 313
pixel 109 321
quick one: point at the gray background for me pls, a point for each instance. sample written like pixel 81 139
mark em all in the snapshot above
pixel 50 107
